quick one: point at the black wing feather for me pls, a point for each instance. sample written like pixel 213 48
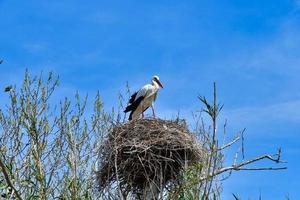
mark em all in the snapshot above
pixel 131 100
pixel 133 106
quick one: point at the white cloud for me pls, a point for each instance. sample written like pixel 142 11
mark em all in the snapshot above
pixel 282 52
pixel 102 17
pixel 35 48
pixel 280 112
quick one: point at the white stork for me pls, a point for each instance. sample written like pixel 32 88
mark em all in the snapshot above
pixel 141 100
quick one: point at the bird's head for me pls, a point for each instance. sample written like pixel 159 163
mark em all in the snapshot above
pixel 155 79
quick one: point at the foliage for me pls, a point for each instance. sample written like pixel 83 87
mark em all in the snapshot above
pixel 50 150
pixel 47 151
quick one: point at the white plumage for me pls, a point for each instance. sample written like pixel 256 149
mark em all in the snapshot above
pixel 143 99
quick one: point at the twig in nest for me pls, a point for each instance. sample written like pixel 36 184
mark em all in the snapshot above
pixel 147 152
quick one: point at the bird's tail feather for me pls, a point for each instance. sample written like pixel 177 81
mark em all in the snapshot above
pixel 130 116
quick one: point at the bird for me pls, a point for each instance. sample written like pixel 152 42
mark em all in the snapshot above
pixel 144 98
pixel 8 88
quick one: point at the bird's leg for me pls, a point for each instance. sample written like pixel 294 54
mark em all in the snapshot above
pixel 153 113
pixel 142 115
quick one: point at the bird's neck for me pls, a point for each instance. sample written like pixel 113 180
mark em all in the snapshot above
pixel 155 84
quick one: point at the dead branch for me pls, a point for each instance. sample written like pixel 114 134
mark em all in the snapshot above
pixel 229 144
pixel 238 167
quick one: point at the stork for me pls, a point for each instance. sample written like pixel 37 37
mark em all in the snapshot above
pixel 141 100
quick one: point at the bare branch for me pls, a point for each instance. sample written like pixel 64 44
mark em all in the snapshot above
pixel 7 178
pixel 229 144
pixel 260 169
pixel 243 148
pixel 240 165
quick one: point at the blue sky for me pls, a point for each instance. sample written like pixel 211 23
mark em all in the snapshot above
pixel 250 48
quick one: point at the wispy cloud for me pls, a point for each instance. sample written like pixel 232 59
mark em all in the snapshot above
pixel 297 2
pixel 275 113
pixel 281 52
pixel 102 18
pixel 35 47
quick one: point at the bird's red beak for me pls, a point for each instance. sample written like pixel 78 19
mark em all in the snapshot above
pixel 159 83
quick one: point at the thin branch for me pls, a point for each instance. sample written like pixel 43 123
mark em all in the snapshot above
pixel 260 169
pixel 240 165
pixel 6 176
pixel 229 144
pixel 117 175
pixel 243 148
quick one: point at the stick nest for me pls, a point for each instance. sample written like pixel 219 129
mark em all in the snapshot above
pixel 146 151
